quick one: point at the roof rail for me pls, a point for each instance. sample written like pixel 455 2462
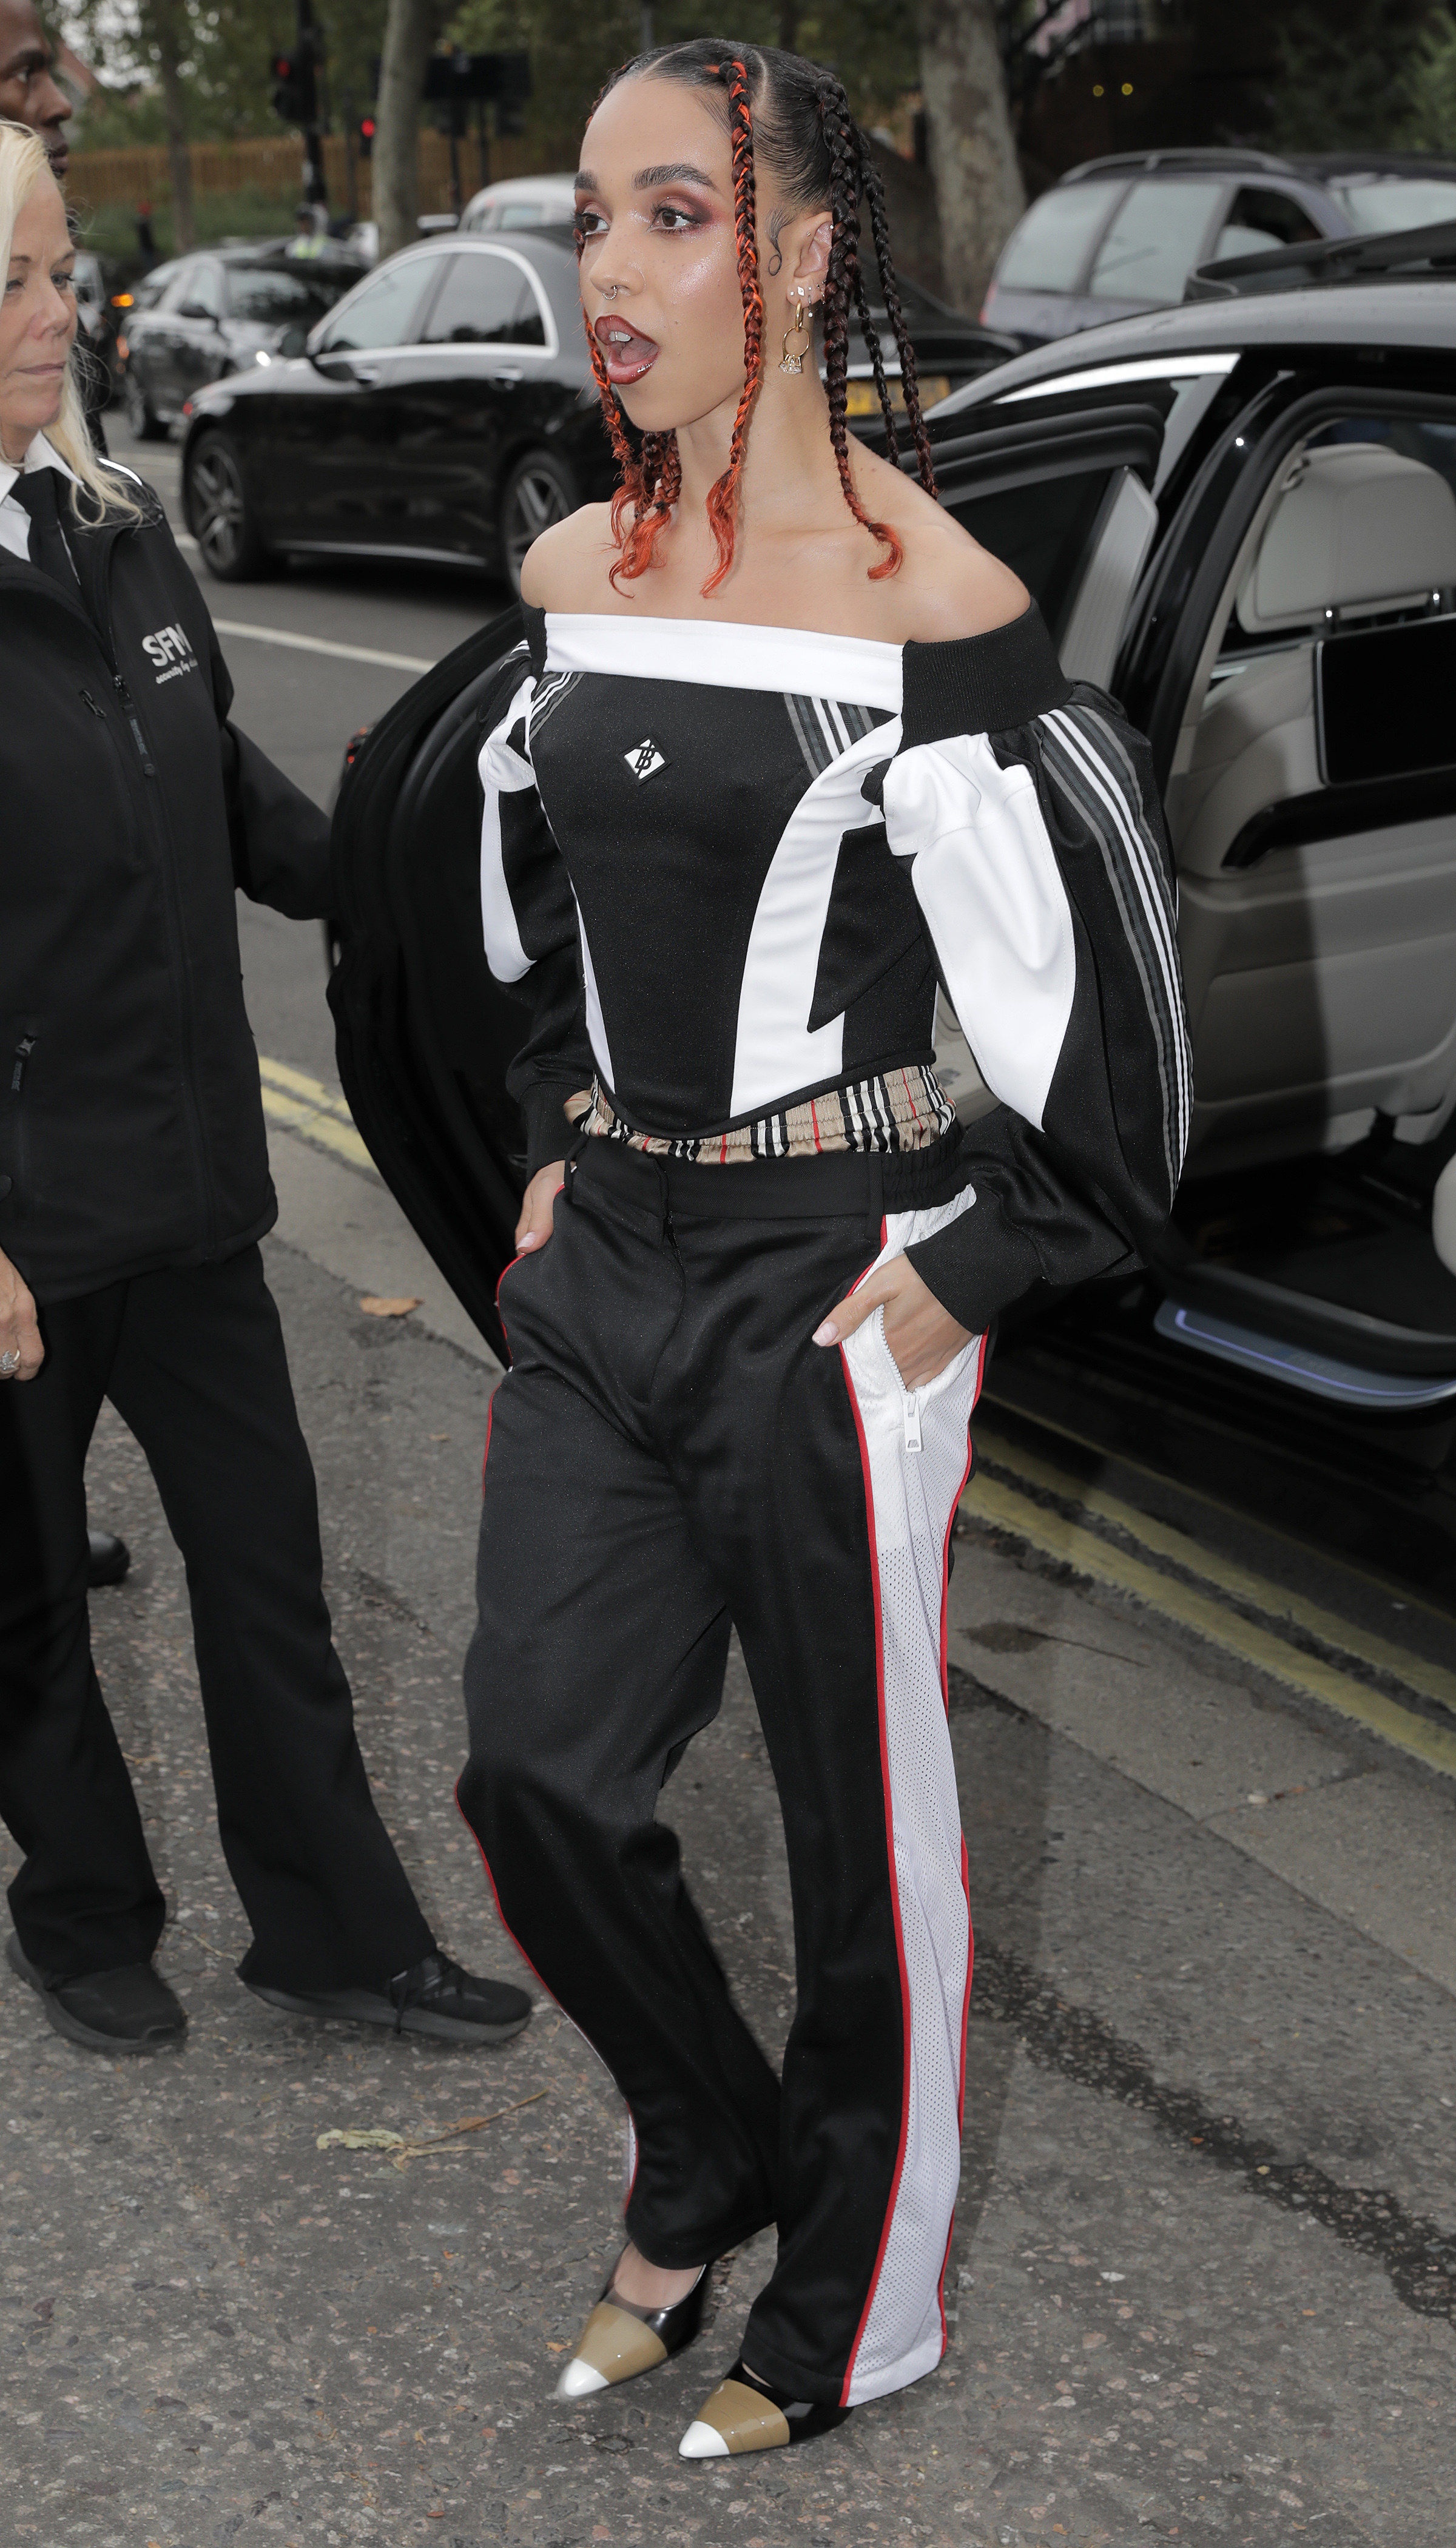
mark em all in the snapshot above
pixel 1421 255
pixel 1129 161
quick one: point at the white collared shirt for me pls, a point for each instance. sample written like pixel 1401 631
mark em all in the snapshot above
pixel 14 521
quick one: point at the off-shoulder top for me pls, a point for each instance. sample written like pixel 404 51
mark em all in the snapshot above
pixel 725 866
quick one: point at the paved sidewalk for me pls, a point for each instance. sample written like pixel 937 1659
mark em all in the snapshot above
pixel 1201 2283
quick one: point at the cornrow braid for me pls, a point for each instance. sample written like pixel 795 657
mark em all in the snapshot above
pixel 722 502
pixel 879 229
pixel 839 287
pixel 648 484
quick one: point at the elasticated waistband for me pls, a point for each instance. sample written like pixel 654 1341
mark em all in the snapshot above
pixel 842 1184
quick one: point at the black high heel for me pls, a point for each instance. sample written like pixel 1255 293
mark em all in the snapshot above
pixel 622 2338
pixel 748 2413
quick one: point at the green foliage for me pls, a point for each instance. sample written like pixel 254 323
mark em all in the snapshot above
pixel 1431 124
pixel 252 212
pixel 1349 73
pixel 226 50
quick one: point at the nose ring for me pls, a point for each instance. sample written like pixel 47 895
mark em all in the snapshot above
pixel 611 291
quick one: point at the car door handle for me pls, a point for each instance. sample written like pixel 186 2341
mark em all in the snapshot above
pixel 366 373
pixel 506 379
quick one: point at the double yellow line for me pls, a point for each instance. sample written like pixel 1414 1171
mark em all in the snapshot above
pixel 1249 1616
pixel 304 1105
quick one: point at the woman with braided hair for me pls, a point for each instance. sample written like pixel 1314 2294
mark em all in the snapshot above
pixel 784 748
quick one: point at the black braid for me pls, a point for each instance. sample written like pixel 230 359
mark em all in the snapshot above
pixel 870 334
pixel 879 229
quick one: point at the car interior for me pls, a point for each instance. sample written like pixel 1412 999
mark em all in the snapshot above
pixel 1313 812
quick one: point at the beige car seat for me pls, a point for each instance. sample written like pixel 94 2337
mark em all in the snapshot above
pixel 1322 979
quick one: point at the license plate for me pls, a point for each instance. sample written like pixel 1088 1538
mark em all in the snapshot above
pixel 861 398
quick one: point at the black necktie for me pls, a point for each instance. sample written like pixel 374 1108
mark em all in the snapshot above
pixel 35 489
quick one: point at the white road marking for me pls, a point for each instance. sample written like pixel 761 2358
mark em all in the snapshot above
pixel 324 646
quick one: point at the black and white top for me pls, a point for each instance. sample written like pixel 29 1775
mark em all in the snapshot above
pixel 725 866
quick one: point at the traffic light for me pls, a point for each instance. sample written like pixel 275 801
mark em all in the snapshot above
pixel 296 86
pixel 366 137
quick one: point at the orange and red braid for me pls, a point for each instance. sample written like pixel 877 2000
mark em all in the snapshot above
pixel 649 483
pixel 839 289
pixel 722 502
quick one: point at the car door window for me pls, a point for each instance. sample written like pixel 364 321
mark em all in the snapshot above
pixel 1049 249
pixel 1154 239
pixel 177 289
pixel 203 297
pixel 383 312
pixel 486 300
pixel 267 296
pixel 1261 217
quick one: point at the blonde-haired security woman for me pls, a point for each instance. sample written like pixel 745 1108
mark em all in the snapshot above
pixel 134 1190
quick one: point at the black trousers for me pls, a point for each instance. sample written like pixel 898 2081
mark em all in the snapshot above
pixel 670 1452
pixel 193 1360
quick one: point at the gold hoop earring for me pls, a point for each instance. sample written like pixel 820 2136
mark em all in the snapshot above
pixel 800 337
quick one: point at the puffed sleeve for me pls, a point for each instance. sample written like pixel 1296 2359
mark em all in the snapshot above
pixel 532 944
pixel 1027 809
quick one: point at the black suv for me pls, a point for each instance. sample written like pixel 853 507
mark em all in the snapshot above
pixel 1240 517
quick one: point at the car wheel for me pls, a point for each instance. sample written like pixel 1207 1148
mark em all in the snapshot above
pixel 146 427
pixel 219 511
pixel 540 491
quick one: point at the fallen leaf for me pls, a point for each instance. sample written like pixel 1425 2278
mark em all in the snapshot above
pixel 375 1308
pixel 401 2150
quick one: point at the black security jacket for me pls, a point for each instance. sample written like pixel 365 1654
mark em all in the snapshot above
pixel 131 1122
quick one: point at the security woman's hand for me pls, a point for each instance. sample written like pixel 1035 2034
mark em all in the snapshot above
pixel 922 1335
pixel 537 1205
pixel 21 1350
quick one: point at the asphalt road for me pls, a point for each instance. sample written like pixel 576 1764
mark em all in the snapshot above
pixel 1203 2276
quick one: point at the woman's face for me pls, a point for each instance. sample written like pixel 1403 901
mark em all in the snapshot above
pixel 37 322
pixel 655 201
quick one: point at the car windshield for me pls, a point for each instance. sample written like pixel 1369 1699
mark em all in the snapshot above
pixel 1152 244
pixel 1378 204
pixel 1049 249
pixel 273 299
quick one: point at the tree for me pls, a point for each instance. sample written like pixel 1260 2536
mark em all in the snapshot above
pixel 408 40
pixel 972 152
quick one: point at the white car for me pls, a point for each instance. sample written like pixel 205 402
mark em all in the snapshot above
pixel 523 204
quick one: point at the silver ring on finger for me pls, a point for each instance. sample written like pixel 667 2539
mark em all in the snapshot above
pixel 9 1363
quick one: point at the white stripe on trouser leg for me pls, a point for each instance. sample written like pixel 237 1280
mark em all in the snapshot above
pixel 914 1495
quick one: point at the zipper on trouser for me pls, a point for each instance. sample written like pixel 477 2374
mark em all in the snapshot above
pixel 912 1420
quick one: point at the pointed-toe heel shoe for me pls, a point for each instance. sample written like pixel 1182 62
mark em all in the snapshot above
pixel 623 2337
pixel 747 2414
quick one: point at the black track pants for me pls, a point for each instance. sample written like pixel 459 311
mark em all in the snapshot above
pixel 194 1362
pixel 667 1453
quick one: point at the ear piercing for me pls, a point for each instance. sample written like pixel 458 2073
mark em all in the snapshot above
pixel 798 340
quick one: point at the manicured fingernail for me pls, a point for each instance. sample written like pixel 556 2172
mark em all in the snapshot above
pixel 827 1334
pixel 529 1240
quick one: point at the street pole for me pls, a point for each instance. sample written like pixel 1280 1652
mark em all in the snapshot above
pixel 316 187
pixel 647 35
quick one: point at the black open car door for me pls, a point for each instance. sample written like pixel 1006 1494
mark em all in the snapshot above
pixel 425 1030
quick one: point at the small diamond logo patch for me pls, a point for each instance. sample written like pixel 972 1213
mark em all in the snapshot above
pixel 644 760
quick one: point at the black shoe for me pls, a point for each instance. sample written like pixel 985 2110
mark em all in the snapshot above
pixel 748 2413
pixel 128 2009
pixel 110 1559
pixel 622 2338
pixel 434 1997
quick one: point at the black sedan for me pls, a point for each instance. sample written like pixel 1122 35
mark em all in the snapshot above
pixel 207 318
pixel 1242 518
pixel 444 412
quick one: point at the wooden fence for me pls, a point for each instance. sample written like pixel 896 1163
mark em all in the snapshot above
pixel 274 166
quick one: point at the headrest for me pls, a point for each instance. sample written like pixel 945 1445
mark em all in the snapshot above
pixel 1357 529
